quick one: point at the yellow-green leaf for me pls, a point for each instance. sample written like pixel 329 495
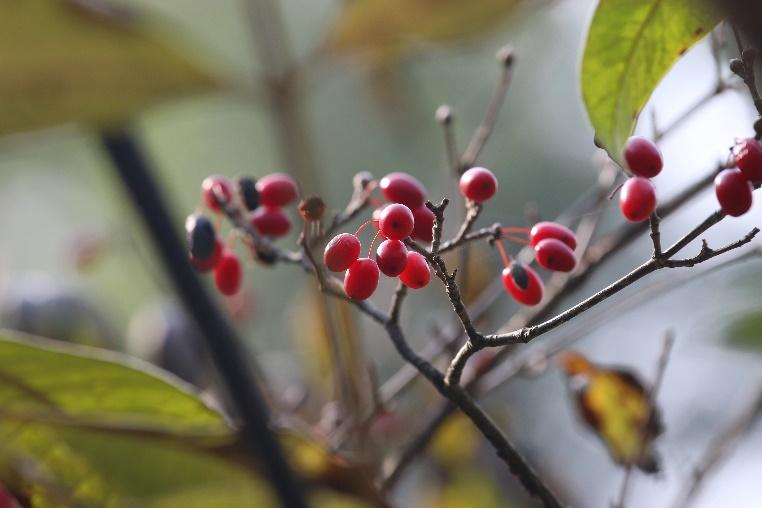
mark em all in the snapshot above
pixel 61 63
pixel 630 46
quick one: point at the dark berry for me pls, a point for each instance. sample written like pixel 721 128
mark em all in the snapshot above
pixel 228 274
pixel 247 190
pixel 204 265
pixel 361 279
pixel 643 157
pixel 637 199
pixel 312 208
pixel 734 192
pixel 396 222
pixel 277 190
pixel 555 255
pixel 201 236
pixel 748 157
pixel 543 230
pixel 423 224
pixel 416 274
pixel 403 188
pixel 523 284
pixel 341 252
pixel 391 257
pixel 215 189
pixel 265 256
pixel 271 222
pixel 478 184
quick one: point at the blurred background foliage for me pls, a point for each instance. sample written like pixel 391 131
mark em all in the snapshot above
pixel 370 76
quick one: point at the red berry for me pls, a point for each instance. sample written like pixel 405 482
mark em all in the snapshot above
pixel 215 188
pixel 361 279
pixel 391 257
pixel 416 273
pixel 734 192
pixel 8 501
pixel 748 157
pixel 523 284
pixel 478 184
pixel 543 230
pixel 276 190
pixel 228 274
pixel 204 265
pixel 341 252
pixel 271 222
pixel 423 227
pixel 403 188
pixel 637 199
pixel 643 157
pixel 555 255
pixel 396 222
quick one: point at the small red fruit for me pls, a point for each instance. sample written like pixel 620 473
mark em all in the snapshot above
pixel 643 157
pixel 543 230
pixel 523 284
pixel 734 192
pixel 271 222
pixel 276 190
pixel 478 184
pixel 423 227
pixel 228 274
pixel 341 252
pixel 416 274
pixel 204 265
pixel 403 188
pixel 396 222
pixel 361 279
pixel 748 156
pixel 216 187
pixel 391 257
pixel 637 199
pixel 555 255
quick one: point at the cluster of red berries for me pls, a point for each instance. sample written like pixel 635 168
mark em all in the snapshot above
pixel 638 195
pixel 734 186
pixel 263 198
pixel 406 216
pixel 553 245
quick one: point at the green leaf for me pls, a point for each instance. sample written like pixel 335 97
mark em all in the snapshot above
pixel 630 46
pixel 746 331
pixel 60 63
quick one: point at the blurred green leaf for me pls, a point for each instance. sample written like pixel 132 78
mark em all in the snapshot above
pixel 469 487
pixel 630 47
pixel 84 427
pixel 746 331
pixel 62 63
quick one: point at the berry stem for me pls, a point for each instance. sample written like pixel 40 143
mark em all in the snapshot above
pixel 364 225
pixel 372 242
pixel 503 253
pixel 520 241
pixel 522 231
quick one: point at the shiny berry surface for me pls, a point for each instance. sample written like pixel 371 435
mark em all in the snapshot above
pixel 277 190
pixel 341 252
pixel 523 284
pixel 396 222
pixel 748 157
pixel 555 255
pixel 216 187
pixel 204 265
pixel 361 279
pixel 247 191
pixel 403 188
pixel 543 230
pixel 228 274
pixel 643 157
pixel 201 236
pixel 391 257
pixel 423 224
pixel 478 184
pixel 637 199
pixel 734 192
pixel 271 222
pixel 417 273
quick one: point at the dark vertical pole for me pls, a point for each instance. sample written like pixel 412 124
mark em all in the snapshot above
pixel 134 171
